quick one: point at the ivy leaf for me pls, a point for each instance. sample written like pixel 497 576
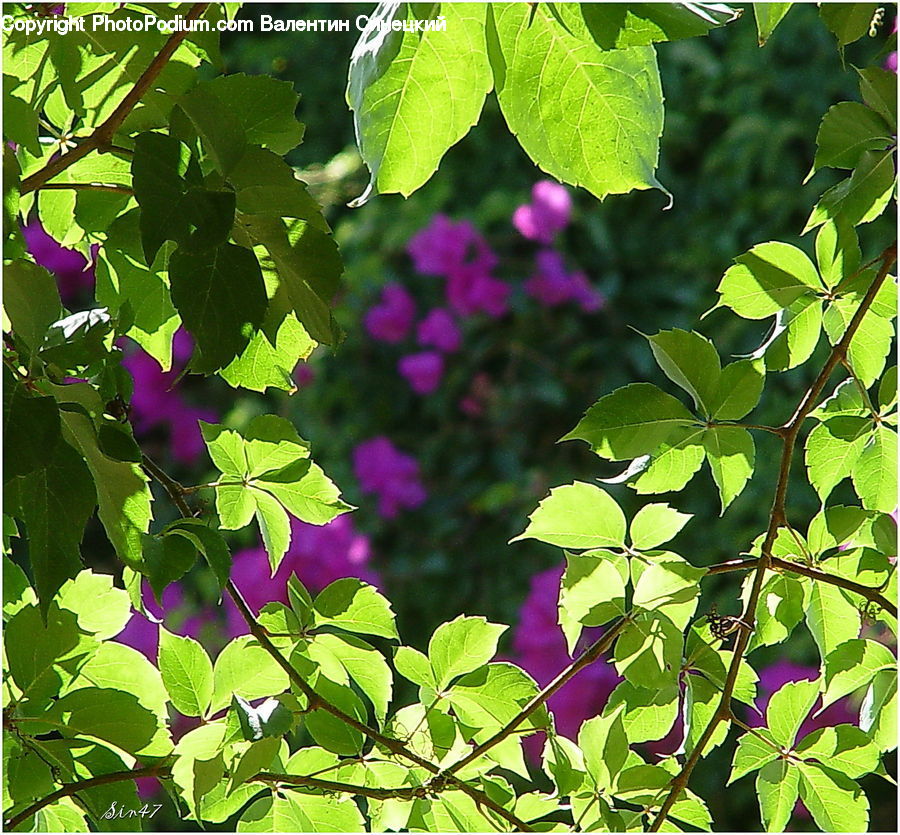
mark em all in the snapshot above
pixel 768 278
pixel 55 502
pixel 777 786
pixel 740 387
pixel 577 515
pixel 209 542
pixel 787 709
pixel 31 429
pixel 848 129
pixel 243 668
pixel 101 608
pixel 30 301
pixel 878 711
pixel 860 198
pixel 648 653
pixel 852 665
pixel 655 524
pixel 831 617
pixel 836 803
pixel 878 87
pixel 832 449
pixel 731 454
pixel 301 812
pixel 630 422
pixel 217 125
pixel 270 719
pixel 355 606
pixel 365 665
pixel 648 714
pixel 848 22
pixel 874 471
pixel 330 732
pixel 590 117
pixel 187 673
pixel 415 94
pixel 768 16
pixel 837 252
pixel 752 753
pixel 872 341
pixel 263 105
pixel 779 610
pixel 844 748
pixel 413 665
pixel 674 464
pixel 690 361
pixel 662 579
pixel 605 746
pixel 221 298
pixel 794 335
pixel 461 646
pixel 592 591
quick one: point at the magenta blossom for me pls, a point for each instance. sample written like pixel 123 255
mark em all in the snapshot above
pixel 318 555
pixel 392 475
pixel 553 285
pixel 391 319
pixel 547 213
pixel 444 246
pixel 423 371
pixel 439 330
pixel 471 289
pixel 304 375
pixel 73 273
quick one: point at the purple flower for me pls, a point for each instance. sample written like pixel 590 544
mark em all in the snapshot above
pixel 142 634
pixel 304 375
pixel 318 555
pixel 391 319
pixel 393 476
pixel 471 290
pixel 547 213
pixel 439 330
pixel 73 272
pixel 553 285
pixel 444 245
pixel 423 371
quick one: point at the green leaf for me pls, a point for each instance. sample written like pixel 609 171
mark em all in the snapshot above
pixel 592 591
pixel 777 786
pixel 779 610
pixel 843 748
pixel 740 387
pixel 270 719
pixel 752 753
pixel 832 449
pixel 330 732
pixel 846 399
pixel 852 665
pixel 837 252
pixel 209 542
pixel 199 765
pixel 244 668
pixel 648 714
pixel 217 125
pixel 674 464
pixel 101 608
pixel 365 665
pixel 355 606
pixel 31 428
pixel 630 422
pixel 769 277
pixel 589 117
pixel 860 198
pixel 617 27
pixel 655 524
pixel 304 262
pixel 875 471
pixel 690 361
pixel 415 666
pixel 263 105
pixel 831 617
pixel 187 673
pixel 415 94
pixel 731 454
pixel 492 696
pixel 848 21
pixel 662 579
pixel 878 711
pixel 648 653
pixel 258 755
pixel 794 335
pixel 461 646
pixel 300 812
pixel 788 707
pixel 55 502
pixel 836 803
pixel 563 762
pixel 878 87
pixel 768 16
pixel 872 341
pixel 846 131
pixel 221 298
pixel 605 747
pixel 577 515
pixel 30 301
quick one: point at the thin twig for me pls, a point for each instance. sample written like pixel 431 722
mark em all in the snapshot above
pixel 589 656
pixel 777 519
pixel 405 793
pixel 174 490
pixel 731 565
pixel 104 133
pixel 85 187
pixel 68 789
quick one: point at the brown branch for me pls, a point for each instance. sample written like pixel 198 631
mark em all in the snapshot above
pixel 85 187
pixel 174 490
pixel 731 565
pixel 405 793
pixel 103 134
pixel 589 656
pixel 68 789
pixel 777 519
pixel 873 595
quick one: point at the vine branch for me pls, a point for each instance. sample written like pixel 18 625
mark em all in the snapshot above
pixel 68 789
pixel 103 133
pixel 777 519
